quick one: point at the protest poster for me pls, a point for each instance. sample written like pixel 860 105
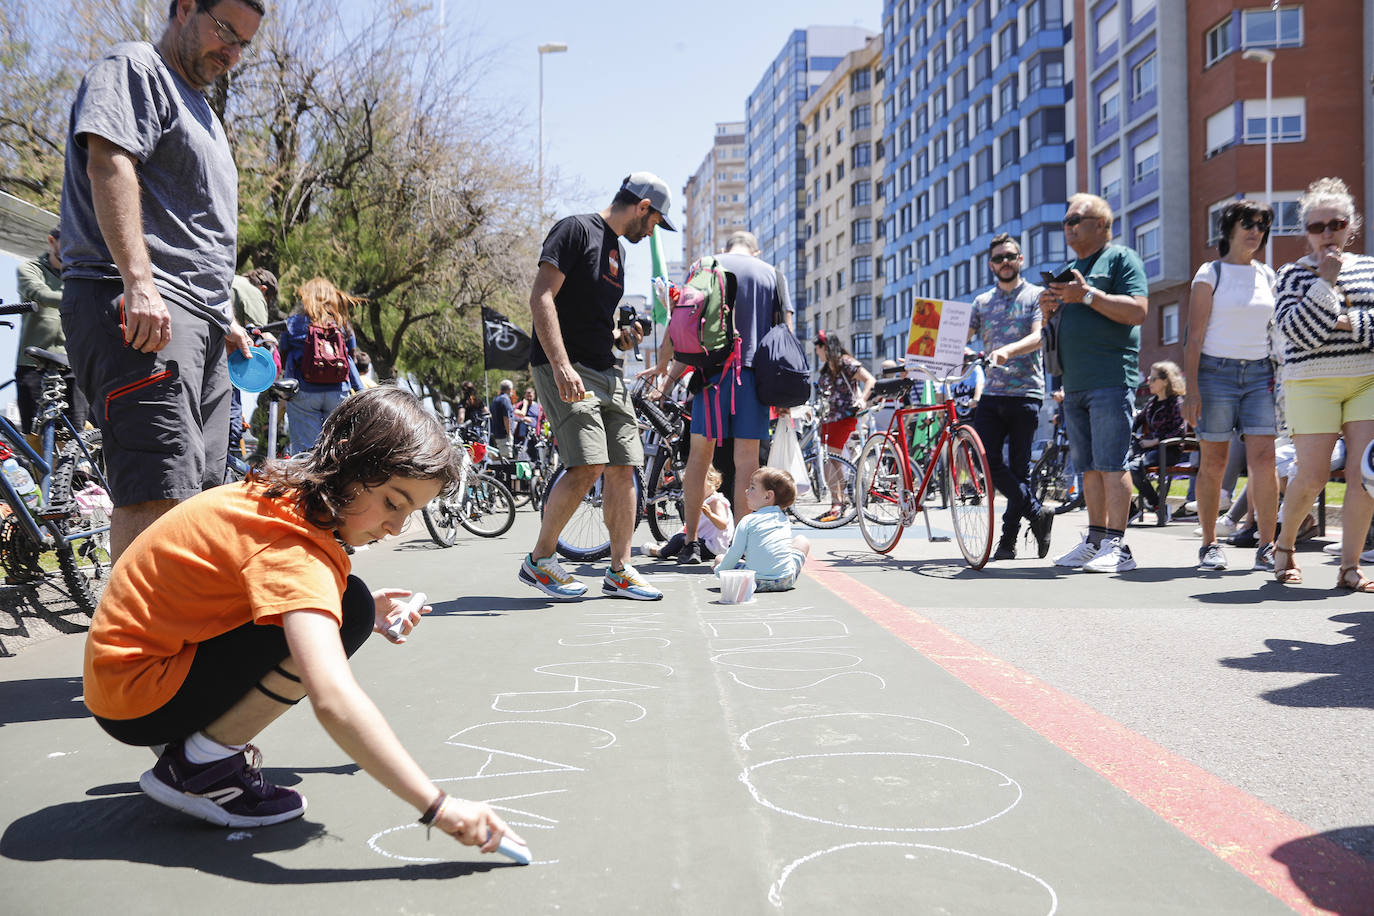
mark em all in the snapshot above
pixel 939 332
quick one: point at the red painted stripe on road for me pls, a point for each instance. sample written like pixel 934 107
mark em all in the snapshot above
pixel 1283 856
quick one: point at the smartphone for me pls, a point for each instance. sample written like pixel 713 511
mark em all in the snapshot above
pixel 1064 277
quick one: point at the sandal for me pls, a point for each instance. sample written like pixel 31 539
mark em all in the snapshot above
pixel 1285 569
pixel 1352 580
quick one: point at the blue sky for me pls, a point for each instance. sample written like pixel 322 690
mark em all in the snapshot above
pixel 640 87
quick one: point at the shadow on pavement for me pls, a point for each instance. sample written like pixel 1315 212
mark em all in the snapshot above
pixel 1348 665
pixel 29 611
pixel 494 605
pixel 130 827
pixel 41 700
pixel 1333 869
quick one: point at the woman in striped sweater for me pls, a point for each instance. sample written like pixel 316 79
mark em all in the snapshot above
pixel 1325 312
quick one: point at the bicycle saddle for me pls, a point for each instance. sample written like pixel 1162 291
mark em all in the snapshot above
pixel 283 389
pixel 47 358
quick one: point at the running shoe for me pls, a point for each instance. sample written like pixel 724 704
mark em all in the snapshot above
pixel 1006 548
pixel 692 553
pixel 833 515
pixel 1040 529
pixel 1335 550
pixel 550 578
pixel 628 583
pixel 1211 558
pixel 1264 558
pixel 1081 554
pixel 230 792
pixel 1226 526
pixel 1112 557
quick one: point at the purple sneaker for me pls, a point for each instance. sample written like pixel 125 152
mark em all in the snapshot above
pixel 229 792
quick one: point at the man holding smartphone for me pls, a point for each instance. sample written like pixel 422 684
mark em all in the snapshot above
pixel 580 382
pixel 1104 298
pixel 1007 320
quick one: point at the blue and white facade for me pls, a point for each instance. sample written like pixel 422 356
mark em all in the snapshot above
pixel 776 153
pixel 975 144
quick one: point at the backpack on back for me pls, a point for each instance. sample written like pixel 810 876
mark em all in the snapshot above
pixel 702 324
pixel 324 358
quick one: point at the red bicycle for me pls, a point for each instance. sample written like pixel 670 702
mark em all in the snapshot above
pixel 887 468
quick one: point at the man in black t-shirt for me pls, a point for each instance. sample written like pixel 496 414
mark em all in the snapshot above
pixel 580 282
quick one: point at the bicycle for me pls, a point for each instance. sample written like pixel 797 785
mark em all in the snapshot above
pixel 827 475
pixel 1052 479
pixel 478 502
pixel 887 468
pixel 71 517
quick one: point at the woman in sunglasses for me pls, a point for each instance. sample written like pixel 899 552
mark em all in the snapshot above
pixel 842 387
pixel 1326 315
pixel 1230 379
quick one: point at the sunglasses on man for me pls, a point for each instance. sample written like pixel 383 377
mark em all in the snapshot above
pixel 1071 221
pixel 1003 258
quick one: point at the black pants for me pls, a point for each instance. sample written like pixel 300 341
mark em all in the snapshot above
pixel 1148 459
pixel 227 667
pixel 28 385
pixel 1010 421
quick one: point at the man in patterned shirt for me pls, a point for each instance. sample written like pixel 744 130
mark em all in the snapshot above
pixel 1007 319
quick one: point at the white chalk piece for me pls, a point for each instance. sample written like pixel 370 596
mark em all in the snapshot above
pixel 416 602
pixel 516 852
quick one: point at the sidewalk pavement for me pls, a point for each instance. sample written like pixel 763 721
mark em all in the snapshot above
pixel 895 730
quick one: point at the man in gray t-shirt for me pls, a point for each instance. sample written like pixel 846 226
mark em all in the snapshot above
pixel 149 235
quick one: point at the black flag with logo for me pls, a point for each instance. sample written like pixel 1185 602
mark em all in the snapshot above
pixel 504 346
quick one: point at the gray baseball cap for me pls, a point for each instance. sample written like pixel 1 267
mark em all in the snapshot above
pixel 655 190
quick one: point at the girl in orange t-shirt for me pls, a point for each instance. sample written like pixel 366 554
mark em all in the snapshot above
pixel 238 604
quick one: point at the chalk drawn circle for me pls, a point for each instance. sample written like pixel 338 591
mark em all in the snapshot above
pixel 903 792
pixel 942 881
pixel 823 659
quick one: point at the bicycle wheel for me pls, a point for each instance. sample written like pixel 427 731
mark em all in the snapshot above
pixel 663 496
pixel 971 496
pixel 585 536
pixel 814 509
pixel 83 552
pixel 882 485
pixel 1050 480
pixel 487 509
pixel 441 518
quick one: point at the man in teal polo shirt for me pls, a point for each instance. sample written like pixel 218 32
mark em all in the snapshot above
pixel 1102 306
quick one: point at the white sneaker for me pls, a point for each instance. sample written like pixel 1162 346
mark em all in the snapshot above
pixel 1112 557
pixel 1225 528
pixel 1335 551
pixel 1081 554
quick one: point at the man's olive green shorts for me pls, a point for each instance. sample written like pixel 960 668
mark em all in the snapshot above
pixel 599 429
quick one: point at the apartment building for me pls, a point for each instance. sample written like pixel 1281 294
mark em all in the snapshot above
pixel 843 124
pixel 716 196
pixel 776 155
pixel 976 143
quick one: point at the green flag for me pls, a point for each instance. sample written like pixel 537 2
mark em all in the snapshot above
pixel 659 270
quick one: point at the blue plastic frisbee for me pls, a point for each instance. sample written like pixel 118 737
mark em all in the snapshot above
pixel 253 374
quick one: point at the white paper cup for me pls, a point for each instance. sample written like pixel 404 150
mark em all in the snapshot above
pixel 736 586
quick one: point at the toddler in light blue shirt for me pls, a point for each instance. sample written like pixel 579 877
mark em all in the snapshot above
pixel 763 538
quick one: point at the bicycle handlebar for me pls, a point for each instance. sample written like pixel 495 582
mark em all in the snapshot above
pixel 17 308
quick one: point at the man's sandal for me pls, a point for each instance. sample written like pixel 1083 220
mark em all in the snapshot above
pixel 1286 571
pixel 1352 580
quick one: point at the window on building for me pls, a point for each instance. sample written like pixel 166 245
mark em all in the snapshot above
pixel 860 116
pixel 1144 77
pixel 1009 148
pixel 860 79
pixel 1109 104
pixel 1006 95
pixel 1044 14
pixel 1221 130
pixel 919 77
pixel 982 115
pixel 1045 128
pixel 861 231
pixel 1288 121
pixel 940 148
pixel 961 280
pixel 861 345
pixel 983 217
pixel 982 64
pixel 961 185
pixel 941 242
pixel 1109 180
pixel 861 308
pixel 904 177
pixel 1045 71
pixel 861 269
pixel 839 279
pixel 1046 186
pixel 861 193
pixel 961 230
pixel 1147 240
pixel 923 207
pixel 923 250
pixel 861 155
pixel 1268 28
pixel 1218 42
pixel 939 104
pixel 1145 158
pixel 982 165
pixel 1140 8
pixel 1168 324
pixel 1009 201
pixel 958 85
pixel 1006 42
pixel 904 219
pixel 1108 29
pixel 959 128
pixel 941 191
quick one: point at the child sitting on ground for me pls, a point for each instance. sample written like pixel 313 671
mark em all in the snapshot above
pixel 763 541
pixel 238 603
pixel 715 529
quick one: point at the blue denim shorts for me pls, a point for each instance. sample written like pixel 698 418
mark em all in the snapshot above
pixel 742 415
pixel 1100 427
pixel 1237 394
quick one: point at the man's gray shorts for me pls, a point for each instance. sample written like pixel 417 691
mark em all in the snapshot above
pixel 164 416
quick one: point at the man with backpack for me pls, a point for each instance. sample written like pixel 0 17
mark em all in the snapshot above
pixel 581 384
pixel 503 420
pixel 729 406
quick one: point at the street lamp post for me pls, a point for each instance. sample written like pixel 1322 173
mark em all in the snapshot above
pixel 553 47
pixel 1266 57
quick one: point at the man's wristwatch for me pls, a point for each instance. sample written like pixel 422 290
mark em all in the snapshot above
pixel 1088 296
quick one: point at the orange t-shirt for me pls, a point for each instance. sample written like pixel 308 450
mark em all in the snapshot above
pixel 221 559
